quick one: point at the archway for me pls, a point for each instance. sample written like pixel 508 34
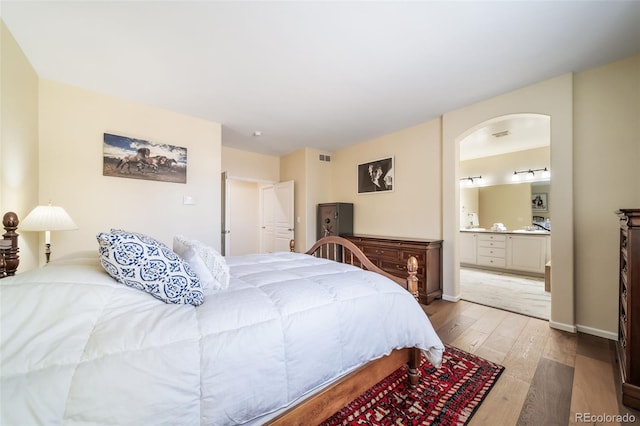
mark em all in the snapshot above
pixel 506 270
pixel 553 98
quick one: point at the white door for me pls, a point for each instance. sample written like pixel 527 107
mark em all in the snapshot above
pixel 277 217
pixel 225 214
pixel 267 241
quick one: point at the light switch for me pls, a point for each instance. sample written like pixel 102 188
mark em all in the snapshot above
pixel 188 200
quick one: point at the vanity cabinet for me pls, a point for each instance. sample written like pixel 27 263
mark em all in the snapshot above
pixel 492 250
pixel 628 345
pixel 468 248
pixel 505 251
pixel 527 253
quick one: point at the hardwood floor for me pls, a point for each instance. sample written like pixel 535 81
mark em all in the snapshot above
pixel 551 377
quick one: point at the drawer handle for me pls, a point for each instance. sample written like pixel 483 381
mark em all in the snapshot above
pixel 379 251
pixel 401 267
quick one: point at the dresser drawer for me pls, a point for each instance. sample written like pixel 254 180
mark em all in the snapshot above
pixel 492 244
pixel 492 237
pixel 373 252
pixel 497 262
pixel 492 252
pixel 399 269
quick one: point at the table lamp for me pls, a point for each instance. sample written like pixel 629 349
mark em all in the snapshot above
pixel 48 218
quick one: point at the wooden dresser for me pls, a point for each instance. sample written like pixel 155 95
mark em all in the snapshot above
pixel 628 346
pixel 391 254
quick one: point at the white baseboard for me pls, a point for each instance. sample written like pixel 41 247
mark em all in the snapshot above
pixel 563 327
pixel 583 329
pixel 450 298
pixel 597 332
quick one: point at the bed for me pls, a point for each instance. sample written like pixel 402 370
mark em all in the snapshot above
pixel 292 339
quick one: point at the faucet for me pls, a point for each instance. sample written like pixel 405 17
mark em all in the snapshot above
pixel 543 227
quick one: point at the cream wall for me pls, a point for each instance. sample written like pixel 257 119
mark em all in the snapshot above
pixel 606 158
pixel 293 167
pixel 18 141
pixel 413 209
pixel 250 166
pixel 72 124
pixel 319 190
pixel 554 98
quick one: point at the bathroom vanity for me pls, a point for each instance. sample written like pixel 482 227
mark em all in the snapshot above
pixel 510 251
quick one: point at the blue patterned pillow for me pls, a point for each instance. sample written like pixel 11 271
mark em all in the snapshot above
pixel 144 263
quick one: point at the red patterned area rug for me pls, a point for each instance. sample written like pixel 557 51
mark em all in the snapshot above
pixel 449 395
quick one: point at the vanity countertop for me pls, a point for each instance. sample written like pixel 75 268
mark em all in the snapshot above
pixel 515 231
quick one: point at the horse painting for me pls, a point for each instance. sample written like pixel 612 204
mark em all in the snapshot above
pixel 159 161
pixel 140 159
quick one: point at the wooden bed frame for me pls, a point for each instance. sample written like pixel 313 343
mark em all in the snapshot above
pixel 332 398
pixel 335 396
pixel 9 259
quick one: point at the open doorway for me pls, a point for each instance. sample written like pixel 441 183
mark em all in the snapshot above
pixel 257 216
pixel 505 222
pixel 240 216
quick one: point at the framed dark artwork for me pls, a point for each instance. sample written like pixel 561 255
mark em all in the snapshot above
pixel 376 176
pixel 539 202
pixel 139 159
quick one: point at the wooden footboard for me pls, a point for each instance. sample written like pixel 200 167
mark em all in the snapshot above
pixel 324 404
pixel 343 250
pixel 321 406
pixel 9 259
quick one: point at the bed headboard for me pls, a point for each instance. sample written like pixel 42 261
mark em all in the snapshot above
pixel 9 259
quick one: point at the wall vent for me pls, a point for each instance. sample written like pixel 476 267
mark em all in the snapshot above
pixel 501 134
pixel 325 157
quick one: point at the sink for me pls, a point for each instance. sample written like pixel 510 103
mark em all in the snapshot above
pixel 535 231
pixel 473 229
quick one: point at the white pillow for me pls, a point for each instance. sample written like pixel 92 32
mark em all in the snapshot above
pixel 190 256
pixel 146 264
pixel 212 259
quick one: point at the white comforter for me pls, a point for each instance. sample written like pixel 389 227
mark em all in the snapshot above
pixel 79 348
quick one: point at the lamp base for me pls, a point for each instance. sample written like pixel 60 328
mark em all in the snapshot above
pixel 47 251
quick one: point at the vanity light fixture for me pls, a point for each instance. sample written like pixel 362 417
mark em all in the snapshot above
pixel 471 180
pixel 530 174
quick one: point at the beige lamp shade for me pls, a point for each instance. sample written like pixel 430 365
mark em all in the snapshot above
pixel 48 218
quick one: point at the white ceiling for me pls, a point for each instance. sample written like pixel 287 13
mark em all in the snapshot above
pixel 318 74
pixel 503 135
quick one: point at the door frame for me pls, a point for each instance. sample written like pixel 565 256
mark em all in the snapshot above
pixel 225 232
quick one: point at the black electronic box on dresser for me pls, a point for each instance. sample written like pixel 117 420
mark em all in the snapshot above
pixel 628 347
pixel 391 254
